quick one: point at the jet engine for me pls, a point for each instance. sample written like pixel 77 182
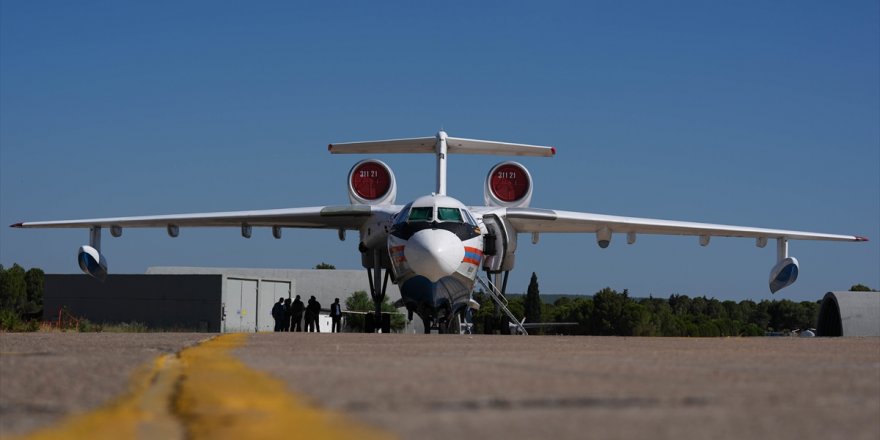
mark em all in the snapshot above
pixel 371 182
pixel 92 262
pixel 508 185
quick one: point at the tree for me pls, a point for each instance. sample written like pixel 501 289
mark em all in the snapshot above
pixel 532 303
pixel 13 288
pixel 360 302
pixel 33 279
pixel 324 265
pixel 608 312
pixel 861 288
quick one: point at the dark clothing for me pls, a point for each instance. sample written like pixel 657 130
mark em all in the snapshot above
pixel 336 315
pixel 278 316
pixel 296 315
pixel 313 310
pixel 310 319
pixel 285 321
pixel 317 321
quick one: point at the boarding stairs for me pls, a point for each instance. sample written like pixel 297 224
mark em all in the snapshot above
pixel 501 302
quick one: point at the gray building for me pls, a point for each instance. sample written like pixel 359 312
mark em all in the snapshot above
pixel 849 314
pixel 200 298
pixel 188 302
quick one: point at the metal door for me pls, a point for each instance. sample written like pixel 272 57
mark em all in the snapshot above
pixel 241 305
pixel 270 291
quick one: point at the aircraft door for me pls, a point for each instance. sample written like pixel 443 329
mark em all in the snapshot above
pixel 499 244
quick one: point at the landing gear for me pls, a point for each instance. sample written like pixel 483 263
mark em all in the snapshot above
pixel 377 320
pixel 371 324
pixel 386 323
pixel 451 323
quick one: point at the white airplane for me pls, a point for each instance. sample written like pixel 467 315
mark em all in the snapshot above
pixel 434 247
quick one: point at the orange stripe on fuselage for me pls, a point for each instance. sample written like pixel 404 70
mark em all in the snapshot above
pixel 474 250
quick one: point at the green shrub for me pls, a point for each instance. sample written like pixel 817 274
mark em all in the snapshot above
pixel 86 326
pixel 12 322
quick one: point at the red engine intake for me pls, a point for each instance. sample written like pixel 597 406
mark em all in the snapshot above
pixel 371 182
pixel 508 184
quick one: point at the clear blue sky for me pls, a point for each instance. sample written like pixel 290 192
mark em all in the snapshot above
pixel 747 113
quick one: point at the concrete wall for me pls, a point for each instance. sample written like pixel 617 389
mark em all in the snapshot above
pixel 325 285
pixel 180 302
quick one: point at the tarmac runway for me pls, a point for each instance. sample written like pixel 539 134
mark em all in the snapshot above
pixel 447 386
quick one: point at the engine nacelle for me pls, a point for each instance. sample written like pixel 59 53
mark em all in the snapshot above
pixel 371 182
pixel 783 274
pixel 508 185
pixel 92 262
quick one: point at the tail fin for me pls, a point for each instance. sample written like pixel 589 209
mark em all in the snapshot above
pixel 441 145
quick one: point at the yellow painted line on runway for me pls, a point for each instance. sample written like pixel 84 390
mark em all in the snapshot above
pixel 142 413
pixel 222 398
pixel 207 393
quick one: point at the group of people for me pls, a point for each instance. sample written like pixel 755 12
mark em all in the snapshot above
pixel 289 315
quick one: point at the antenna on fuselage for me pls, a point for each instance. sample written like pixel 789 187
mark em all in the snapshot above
pixel 441 145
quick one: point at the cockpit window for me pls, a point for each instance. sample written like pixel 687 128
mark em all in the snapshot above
pixel 469 218
pixel 449 214
pixel 424 214
pixel 402 215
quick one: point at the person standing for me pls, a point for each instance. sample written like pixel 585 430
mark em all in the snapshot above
pixel 310 315
pixel 278 314
pixel 317 316
pixel 336 316
pixel 296 314
pixel 286 320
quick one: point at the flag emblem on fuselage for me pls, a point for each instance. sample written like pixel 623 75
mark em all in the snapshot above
pixel 472 255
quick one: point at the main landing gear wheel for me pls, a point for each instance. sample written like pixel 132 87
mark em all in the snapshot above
pixel 369 323
pixel 453 325
pixel 386 323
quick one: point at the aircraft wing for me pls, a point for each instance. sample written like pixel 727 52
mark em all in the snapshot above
pixel 549 220
pixel 326 217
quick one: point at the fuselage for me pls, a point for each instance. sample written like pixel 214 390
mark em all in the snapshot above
pixel 436 247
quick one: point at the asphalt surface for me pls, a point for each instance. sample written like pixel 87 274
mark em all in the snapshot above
pixel 449 386
pixel 438 386
pixel 45 376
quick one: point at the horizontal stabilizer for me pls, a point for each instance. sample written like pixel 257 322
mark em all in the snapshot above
pixel 475 146
pixel 430 145
pixel 389 146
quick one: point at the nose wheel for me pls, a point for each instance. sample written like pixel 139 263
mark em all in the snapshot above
pixel 449 324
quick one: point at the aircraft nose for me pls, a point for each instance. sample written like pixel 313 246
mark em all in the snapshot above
pixel 434 253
